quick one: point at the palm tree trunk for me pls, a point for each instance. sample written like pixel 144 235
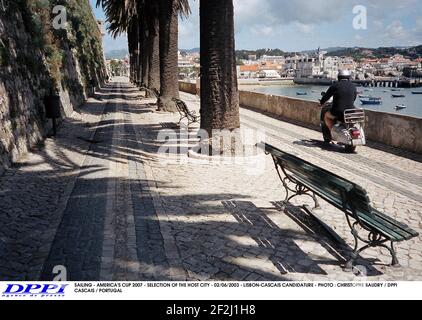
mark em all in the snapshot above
pixel 134 30
pixel 219 91
pixel 144 58
pixel 169 31
pixel 154 54
pixel 132 56
pixel 139 66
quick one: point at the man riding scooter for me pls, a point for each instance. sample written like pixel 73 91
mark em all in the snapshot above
pixel 340 120
pixel 344 94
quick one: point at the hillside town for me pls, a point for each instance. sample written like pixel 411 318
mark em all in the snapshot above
pixel 316 65
pixel 322 66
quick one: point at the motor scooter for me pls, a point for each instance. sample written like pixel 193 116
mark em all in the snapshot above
pixel 349 133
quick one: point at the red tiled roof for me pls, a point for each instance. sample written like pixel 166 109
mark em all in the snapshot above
pixel 251 68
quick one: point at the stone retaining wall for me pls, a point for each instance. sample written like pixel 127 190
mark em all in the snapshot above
pixel 187 87
pixel 37 60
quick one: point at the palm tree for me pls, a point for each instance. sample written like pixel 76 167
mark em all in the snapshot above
pixel 219 91
pixel 133 36
pixel 152 44
pixel 156 65
pixel 123 16
pixel 169 11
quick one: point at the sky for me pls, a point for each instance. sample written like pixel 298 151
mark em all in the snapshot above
pixel 296 25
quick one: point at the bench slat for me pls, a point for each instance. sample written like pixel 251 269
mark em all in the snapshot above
pixel 326 175
pixel 398 224
pixel 387 229
pixel 317 174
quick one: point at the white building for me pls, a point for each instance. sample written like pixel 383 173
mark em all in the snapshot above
pixel 311 65
pixel 308 67
pixel 185 61
pixel 269 74
pixel 347 63
pixel 290 63
pixel 331 67
pixel 273 59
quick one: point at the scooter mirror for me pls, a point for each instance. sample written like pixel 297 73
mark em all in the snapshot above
pixel 323 93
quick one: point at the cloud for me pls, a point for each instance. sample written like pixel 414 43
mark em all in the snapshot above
pixel 260 23
pixel 418 28
pixel 305 28
pixel 263 31
pixel 327 20
pixel 396 31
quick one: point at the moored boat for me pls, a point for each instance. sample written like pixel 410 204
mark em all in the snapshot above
pixel 416 92
pixel 398 95
pixel 400 107
pixel 370 102
pixel 369 97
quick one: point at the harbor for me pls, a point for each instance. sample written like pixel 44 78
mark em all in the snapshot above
pixel 408 97
pixel 384 82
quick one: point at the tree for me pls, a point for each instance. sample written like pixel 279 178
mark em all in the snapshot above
pixel 169 32
pixel 219 91
pixel 152 45
pixel 123 16
pixel 155 65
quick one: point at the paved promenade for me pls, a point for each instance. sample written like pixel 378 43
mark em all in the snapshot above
pixel 100 200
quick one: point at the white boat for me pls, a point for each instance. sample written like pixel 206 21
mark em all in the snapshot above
pixel 400 107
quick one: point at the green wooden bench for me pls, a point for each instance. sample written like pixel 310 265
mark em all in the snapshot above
pixel 300 177
pixel 185 113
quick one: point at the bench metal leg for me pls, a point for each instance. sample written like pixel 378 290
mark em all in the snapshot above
pixel 395 262
pixel 180 121
pixel 300 190
pixel 374 240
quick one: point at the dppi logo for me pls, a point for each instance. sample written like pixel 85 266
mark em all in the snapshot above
pixel 43 290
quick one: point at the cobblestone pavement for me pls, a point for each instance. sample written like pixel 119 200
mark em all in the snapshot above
pixel 100 200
